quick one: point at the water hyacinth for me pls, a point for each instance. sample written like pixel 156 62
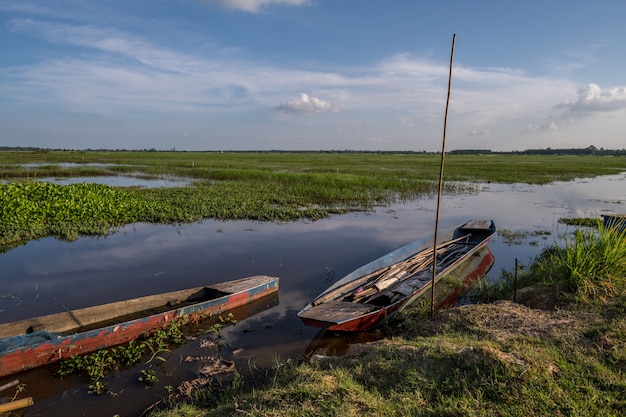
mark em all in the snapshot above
pixel 30 210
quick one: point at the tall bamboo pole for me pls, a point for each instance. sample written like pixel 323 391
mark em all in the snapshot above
pixel 443 155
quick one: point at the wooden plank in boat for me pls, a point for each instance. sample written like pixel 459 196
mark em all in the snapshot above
pixel 477 225
pixel 337 311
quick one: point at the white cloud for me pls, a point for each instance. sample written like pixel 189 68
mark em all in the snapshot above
pixel 593 100
pixel 479 133
pixel 254 6
pixel 146 76
pixel 105 40
pixel 406 121
pixel 306 104
pixel 547 127
pixel 378 141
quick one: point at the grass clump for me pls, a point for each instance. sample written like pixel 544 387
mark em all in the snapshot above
pixel 589 265
pixel 592 263
pixel 149 348
pixel 97 365
pixel 579 221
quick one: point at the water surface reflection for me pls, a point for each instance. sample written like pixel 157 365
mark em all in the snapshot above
pixel 122 181
pixel 47 275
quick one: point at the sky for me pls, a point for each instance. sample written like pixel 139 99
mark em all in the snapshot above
pixel 312 74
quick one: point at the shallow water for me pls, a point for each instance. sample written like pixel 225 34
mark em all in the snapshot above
pixel 127 180
pixel 48 275
pixel 121 181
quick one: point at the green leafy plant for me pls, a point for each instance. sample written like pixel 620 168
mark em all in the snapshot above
pixel 148 377
pixel 97 365
pixel 224 321
pixel 103 362
pixel 96 387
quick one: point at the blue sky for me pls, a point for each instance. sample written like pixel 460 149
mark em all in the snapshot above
pixel 312 74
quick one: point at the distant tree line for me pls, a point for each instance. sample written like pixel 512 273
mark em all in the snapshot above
pixel 20 148
pixel 590 150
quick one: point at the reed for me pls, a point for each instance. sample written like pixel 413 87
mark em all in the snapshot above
pixel 592 262
pixel 589 264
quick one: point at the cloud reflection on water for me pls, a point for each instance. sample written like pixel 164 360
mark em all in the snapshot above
pixel 143 259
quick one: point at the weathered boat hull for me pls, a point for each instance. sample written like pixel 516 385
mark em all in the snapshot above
pixel 44 340
pixel 452 282
pixel 43 387
pixel 616 221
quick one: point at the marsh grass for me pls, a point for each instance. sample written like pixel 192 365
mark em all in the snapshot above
pixel 580 221
pixel 589 264
pixel 232 187
pixel 391 167
pixel 592 262
pixel 265 186
pixel 99 364
pixel 510 237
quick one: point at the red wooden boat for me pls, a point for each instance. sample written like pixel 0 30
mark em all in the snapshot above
pixel 370 295
pixel 47 339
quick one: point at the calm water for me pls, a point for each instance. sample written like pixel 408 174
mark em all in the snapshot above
pixel 129 180
pixel 48 275
pixel 121 181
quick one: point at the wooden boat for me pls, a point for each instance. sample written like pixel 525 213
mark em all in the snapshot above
pixel 44 340
pixel 370 295
pixel 616 221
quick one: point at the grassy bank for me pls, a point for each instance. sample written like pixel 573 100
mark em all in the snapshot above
pixel 485 360
pixel 560 350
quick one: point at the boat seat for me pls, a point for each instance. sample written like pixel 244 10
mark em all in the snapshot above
pixel 337 311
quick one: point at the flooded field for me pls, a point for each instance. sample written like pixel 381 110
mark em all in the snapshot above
pixel 48 275
pixel 123 181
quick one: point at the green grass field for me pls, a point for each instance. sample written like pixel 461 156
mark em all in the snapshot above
pixel 504 168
